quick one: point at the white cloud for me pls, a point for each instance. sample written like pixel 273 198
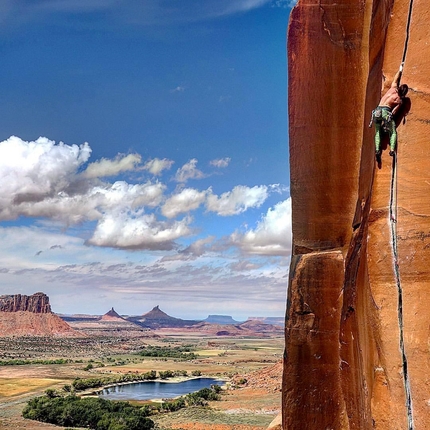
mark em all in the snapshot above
pixel 90 205
pixel 187 200
pixel 156 166
pixel 284 4
pixel 136 281
pixel 220 162
pixel 199 247
pixel 128 230
pixel 178 89
pixel 272 236
pixel 191 252
pixel 238 200
pixel 32 171
pixel 189 171
pixel 41 179
pixel 44 180
pixel 105 167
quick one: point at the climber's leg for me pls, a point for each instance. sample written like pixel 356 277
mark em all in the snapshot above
pixel 393 136
pixel 378 132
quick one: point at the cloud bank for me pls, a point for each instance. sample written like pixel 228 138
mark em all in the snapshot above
pixel 115 278
pixel 56 182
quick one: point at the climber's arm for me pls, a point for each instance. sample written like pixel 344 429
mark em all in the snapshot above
pixel 396 80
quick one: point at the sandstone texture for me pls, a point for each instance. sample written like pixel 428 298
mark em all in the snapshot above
pixel 276 424
pixel 22 315
pixel 24 323
pixel 358 327
pixel 37 303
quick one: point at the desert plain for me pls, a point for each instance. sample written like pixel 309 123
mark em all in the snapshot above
pixel 247 358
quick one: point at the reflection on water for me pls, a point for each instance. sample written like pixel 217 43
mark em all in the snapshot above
pixel 157 390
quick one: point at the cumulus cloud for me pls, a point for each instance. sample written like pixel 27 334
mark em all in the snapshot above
pixel 45 180
pixel 32 171
pixel 191 252
pixel 189 171
pixel 91 205
pixel 272 236
pixel 238 200
pixel 156 166
pixel 138 231
pixel 105 167
pixel 187 200
pixel 40 180
pixel 220 162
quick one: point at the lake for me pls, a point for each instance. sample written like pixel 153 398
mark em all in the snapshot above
pixel 157 389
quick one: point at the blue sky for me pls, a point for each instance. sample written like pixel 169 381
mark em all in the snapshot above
pixel 144 155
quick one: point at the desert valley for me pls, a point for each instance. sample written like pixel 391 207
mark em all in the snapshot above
pixel 46 354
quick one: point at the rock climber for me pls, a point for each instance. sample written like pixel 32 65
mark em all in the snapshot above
pixel 383 115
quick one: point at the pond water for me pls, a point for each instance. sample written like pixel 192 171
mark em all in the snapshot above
pixel 157 390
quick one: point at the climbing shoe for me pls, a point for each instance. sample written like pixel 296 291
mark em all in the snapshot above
pixel 391 153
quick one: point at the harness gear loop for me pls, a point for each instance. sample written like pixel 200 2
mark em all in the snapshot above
pixel 379 117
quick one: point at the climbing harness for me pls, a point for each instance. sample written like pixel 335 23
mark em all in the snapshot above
pixel 383 117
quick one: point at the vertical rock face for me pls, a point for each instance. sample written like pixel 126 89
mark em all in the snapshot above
pixel 37 303
pixel 22 315
pixel 357 332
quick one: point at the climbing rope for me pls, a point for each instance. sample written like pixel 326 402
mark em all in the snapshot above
pixel 393 221
pixel 405 48
pixel 393 191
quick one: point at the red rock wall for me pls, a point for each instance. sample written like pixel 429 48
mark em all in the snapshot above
pixel 344 366
pixel 24 323
pixel 37 303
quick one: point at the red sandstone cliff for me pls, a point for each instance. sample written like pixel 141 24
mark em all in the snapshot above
pixel 22 315
pixel 357 330
pixel 37 303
